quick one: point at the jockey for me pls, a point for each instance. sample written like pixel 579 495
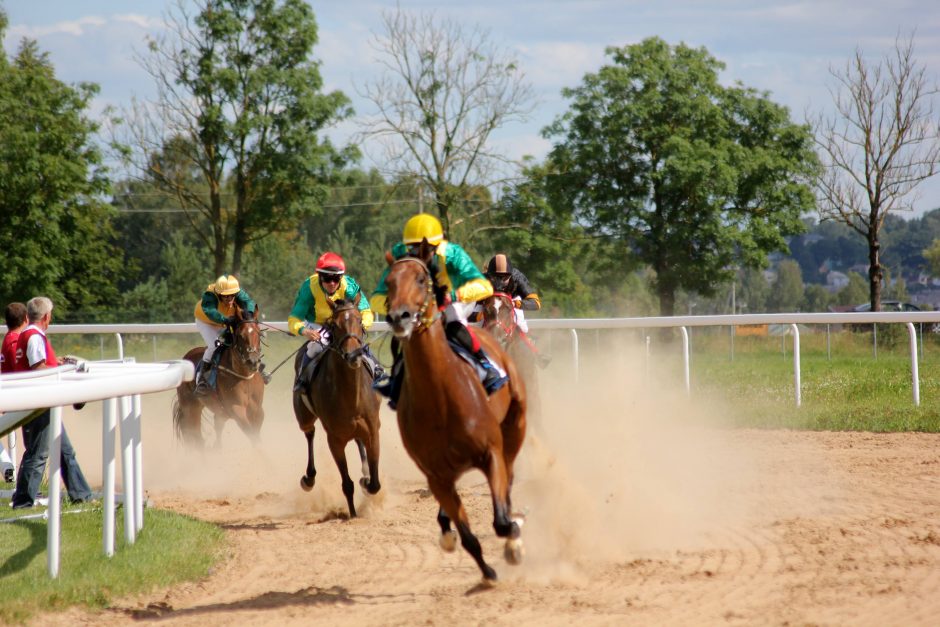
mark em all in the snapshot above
pixel 464 284
pixel 510 280
pixel 214 312
pixel 310 311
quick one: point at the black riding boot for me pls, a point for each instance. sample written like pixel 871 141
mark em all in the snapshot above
pixel 202 372
pixel 300 383
pixel 390 386
pixel 495 377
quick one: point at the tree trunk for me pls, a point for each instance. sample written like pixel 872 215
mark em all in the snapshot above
pixel 218 232
pixel 667 300
pixel 875 273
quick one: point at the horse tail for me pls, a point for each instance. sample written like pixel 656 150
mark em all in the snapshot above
pixel 177 418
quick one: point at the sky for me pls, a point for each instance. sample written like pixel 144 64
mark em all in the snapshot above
pixel 783 47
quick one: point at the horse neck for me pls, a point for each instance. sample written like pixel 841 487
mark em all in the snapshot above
pixel 427 353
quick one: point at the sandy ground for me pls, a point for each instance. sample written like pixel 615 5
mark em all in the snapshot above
pixel 639 510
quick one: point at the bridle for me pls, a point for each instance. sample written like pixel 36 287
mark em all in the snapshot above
pixel 241 348
pixel 338 341
pixel 424 321
pixel 508 329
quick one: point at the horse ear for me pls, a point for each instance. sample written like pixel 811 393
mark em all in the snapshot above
pixel 388 257
pixel 357 299
pixel 331 304
pixel 425 251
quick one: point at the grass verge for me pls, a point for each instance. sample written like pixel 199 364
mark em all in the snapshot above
pixel 170 549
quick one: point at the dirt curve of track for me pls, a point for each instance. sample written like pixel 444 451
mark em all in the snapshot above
pixel 639 510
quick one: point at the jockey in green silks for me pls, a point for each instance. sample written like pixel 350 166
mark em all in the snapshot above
pixel 464 284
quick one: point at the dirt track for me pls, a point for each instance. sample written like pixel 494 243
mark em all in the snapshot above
pixel 637 512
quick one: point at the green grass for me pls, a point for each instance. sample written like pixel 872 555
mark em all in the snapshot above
pixel 851 391
pixel 171 548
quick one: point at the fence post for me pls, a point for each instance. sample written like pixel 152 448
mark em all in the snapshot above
pixel 127 466
pixel 138 465
pixel 577 360
pixel 55 491
pixel 108 428
pixel 685 359
pixel 915 377
pixel 796 363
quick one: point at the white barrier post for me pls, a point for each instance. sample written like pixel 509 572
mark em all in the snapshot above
pixel 796 363
pixel 127 467
pixel 577 364
pixel 915 377
pixel 685 359
pixel 138 466
pixel 11 446
pixel 120 344
pixel 55 490
pixel 108 429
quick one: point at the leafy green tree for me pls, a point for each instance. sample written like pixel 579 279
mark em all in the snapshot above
pixel 855 292
pixel 693 177
pixel 754 291
pixel 787 292
pixel 816 299
pixel 55 229
pixel 236 132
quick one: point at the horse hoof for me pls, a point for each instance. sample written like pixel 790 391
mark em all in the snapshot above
pixel 449 541
pixel 514 551
pixel 307 483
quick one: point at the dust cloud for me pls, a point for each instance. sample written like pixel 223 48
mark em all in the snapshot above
pixel 620 465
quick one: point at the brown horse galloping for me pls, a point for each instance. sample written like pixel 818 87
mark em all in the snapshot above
pixel 448 423
pixel 341 396
pixel 239 388
pixel 498 316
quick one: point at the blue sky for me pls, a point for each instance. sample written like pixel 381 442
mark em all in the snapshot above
pixel 783 47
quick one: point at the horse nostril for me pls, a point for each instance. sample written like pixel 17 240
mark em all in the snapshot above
pixel 406 315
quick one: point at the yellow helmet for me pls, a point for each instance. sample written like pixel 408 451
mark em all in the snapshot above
pixel 423 226
pixel 226 284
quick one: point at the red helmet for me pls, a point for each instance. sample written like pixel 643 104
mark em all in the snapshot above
pixel 331 263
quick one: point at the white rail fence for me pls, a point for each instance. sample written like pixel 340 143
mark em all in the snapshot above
pixel 120 383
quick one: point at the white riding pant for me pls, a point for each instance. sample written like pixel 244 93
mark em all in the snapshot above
pixel 520 320
pixel 210 333
pixel 458 311
pixel 317 347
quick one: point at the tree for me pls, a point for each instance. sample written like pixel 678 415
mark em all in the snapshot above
pixel 853 293
pixel 55 231
pixel 443 92
pixel 787 292
pixel 693 178
pixel 882 142
pixel 234 131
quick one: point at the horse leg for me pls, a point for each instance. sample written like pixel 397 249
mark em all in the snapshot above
pixel 219 421
pixel 310 476
pixel 370 470
pixel 446 495
pixel 338 449
pixel 448 535
pixel 498 477
pixel 362 458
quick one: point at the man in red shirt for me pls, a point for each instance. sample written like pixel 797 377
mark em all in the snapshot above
pixel 33 352
pixel 15 314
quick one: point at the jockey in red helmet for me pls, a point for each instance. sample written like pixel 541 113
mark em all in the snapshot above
pixel 310 312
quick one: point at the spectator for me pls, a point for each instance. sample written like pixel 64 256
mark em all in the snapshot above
pixel 15 314
pixel 34 352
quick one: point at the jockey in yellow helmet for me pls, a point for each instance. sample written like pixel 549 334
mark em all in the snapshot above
pixel 463 286
pixel 213 313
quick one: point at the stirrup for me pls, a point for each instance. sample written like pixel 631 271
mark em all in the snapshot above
pixel 494 381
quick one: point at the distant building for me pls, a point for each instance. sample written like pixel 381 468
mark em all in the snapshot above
pixel 835 281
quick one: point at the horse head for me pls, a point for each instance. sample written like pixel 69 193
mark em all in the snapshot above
pixel 499 317
pixel 410 299
pixel 345 325
pixel 246 336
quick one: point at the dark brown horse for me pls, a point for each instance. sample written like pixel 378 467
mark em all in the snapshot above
pixel 341 396
pixel 239 388
pixel 498 317
pixel 448 423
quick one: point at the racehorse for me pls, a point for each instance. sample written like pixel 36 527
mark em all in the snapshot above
pixel 341 396
pixel 448 423
pixel 498 317
pixel 239 389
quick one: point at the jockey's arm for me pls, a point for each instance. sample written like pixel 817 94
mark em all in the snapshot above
pixel 523 294
pixel 245 302
pixel 379 300
pixel 353 290
pixel 471 286
pixel 209 305
pixel 303 306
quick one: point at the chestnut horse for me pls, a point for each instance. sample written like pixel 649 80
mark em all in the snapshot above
pixel 498 317
pixel 448 423
pixel 341 396
pixel 239 387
